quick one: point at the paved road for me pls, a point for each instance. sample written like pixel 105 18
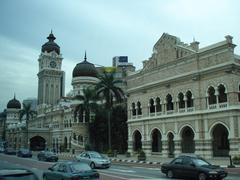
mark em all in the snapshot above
pixel 116 171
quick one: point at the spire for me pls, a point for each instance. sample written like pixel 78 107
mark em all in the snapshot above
pixel 14 96
pixel 51 37
pixel 85 56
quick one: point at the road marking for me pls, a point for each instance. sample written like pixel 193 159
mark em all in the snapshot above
pixel 112 176
pixel 123 170
pixel 155 169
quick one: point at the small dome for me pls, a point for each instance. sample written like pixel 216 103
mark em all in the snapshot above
pixel 51 45
pixel 14 103
pixel 84 68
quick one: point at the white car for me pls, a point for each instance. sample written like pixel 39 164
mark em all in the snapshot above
pixel 94 159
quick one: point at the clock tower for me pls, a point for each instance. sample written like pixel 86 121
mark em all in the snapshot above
pixel 51 79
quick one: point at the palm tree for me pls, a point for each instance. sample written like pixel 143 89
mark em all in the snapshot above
pixel 28 112
pixel 109 89
pixel 87 104
pixel 4 116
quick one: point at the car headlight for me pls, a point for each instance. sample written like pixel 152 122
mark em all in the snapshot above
pixel 213 172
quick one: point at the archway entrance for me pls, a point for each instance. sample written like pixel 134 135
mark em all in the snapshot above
pixel 188 144
pixel 137 143
pixel 37 143
pixel 156 141
pixel 220 144
pixel 170 145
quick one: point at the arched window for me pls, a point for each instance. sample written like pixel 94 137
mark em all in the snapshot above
pixel 169 102
pixel 158 105
pixel 222 96
pixel 133 109
pixel 239 93
pixel 181 101
pixel 211 96
pixel 139 108
pixel 151 106
pixel 189 99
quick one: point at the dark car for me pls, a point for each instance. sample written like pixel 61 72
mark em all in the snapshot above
pixel 47 156
pixel 71 170
pixel 191 167
pixel 18 174
pixel 10 151
pixel 22 152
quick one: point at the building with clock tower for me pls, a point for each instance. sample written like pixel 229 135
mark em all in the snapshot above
pixel 50 76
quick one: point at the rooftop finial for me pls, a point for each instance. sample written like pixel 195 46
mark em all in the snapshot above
pixel 14 96
pixel 193 39
pixel 85 56
pixel 51 31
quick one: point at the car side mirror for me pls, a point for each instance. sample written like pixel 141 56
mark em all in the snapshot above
pixel 193 165
pixel 51 169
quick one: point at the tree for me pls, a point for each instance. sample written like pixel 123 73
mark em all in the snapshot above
pixel 28 112
pixel 4 116
pixel 109 89
pixel 87 104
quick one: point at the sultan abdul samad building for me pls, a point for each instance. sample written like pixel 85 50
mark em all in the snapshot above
pixel 54 126
pixel 185 99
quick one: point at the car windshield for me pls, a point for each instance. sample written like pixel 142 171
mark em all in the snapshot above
pixel 49 153
pixel 96 155
pixel 201 162
pixel 78 167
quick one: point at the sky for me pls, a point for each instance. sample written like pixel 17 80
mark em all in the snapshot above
pixel 104 28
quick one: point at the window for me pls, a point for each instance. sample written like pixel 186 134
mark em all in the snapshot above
pixel 181 100
pixel 222 96
pixel 189 99
pixel 211 96
pixel 158 105
pixel 169 102
pixel 151 106
pixel 139 108
pixel 133 109
pixel 239 93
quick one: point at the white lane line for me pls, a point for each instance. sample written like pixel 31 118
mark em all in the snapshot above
pixel 124 174
pixel 112 176
pixel 155 169
pixel 123 170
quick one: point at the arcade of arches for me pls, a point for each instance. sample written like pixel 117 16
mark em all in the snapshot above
pixel 169 145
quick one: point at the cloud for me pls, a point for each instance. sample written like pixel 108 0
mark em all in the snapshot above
pixel 18 71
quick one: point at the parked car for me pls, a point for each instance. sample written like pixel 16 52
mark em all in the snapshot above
pixel 71 170
pixel 10 151
pixel 17 174
pixel 94 159
pixel 22 152
pixel 192 166
pixel 47 156
pixel 2 149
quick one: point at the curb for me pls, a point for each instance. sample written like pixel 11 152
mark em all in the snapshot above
pixel 133 161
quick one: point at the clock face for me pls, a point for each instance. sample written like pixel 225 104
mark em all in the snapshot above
pixel 53 64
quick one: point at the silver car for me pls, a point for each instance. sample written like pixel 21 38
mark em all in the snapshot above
pixel 94 159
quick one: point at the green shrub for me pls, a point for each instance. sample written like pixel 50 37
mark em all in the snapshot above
pixel 110 153
pixel 236 157
pixel 128 154
pixel 141 155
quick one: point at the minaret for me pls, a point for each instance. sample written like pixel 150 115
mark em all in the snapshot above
pixel 51 79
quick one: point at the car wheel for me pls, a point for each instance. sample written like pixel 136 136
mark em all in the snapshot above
pixel 92 165
pixel 170 174
pixel 202 176
pixel 44 177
